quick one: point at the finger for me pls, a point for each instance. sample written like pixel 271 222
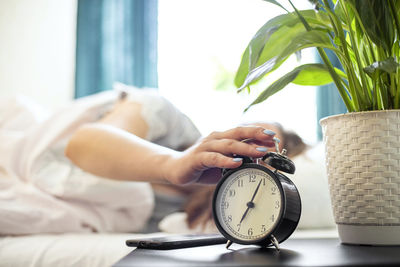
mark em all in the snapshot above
pixel 229 147
pixel 218 160
pixel 245 132
pixel 267 143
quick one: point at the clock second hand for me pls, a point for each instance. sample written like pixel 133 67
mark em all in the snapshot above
pixel 250 204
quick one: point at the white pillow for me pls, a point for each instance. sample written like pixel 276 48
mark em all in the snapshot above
pixel 168 126
pixel 311 180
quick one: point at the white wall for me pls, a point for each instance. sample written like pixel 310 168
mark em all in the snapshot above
pixel 213 37
pixel 37 49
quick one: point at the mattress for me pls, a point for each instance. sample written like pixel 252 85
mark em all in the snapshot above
pixel 95 250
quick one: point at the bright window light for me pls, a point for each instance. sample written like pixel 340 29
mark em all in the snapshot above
pixel 200 47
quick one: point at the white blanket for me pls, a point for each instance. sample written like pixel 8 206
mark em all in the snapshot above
pixel 41 191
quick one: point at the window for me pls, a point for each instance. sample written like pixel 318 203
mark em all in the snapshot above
pixel 200 46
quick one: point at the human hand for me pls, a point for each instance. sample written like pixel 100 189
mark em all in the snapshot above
pixel 203 161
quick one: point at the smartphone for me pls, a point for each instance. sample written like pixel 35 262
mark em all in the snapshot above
pixel 177 241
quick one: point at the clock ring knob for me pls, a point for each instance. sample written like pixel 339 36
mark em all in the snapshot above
pixel 279 162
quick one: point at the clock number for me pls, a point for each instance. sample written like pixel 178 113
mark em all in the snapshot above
pixel 225 205
pixel 273 190
pixel 272 218
pixel 264 182
pixel 277 204
pixel 250 231
pixel 252 178
pixel 240 183
pixel 229 218
pixel 232 192
pixel 238 226
pixel 263 229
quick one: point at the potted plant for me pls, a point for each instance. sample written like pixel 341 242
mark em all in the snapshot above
pixel 363 145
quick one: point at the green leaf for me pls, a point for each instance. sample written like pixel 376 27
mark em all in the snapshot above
pixel 300 41
pixel 256 46
pixel 314 75
pixel 389 65
pixel 258 42
pixel 296 75
pixel 273 36
pixel 355 17
pixel 378 22
pixel 243 69
pixel 277 43
pixel 341 73
pixel 338 8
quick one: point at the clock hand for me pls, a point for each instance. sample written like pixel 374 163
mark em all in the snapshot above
pixel 244 215
pixel 255 193
pixel 250 204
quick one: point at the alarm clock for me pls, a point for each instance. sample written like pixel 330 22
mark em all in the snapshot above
pixel 256 204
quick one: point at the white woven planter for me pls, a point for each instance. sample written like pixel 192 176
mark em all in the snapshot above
pixel 363 165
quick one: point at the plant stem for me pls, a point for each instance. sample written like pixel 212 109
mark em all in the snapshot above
pixel 363 30
pixel 395 52
pixel 371 55
pixel 336 79
pixel 353 86
pixel 367 62
pixel 395 16
pixel 378 97
pixel 392 86
pixel 384 93
pixel 397 99
pixel 358 60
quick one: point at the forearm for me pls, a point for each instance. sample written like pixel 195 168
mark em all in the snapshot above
pixel 110 152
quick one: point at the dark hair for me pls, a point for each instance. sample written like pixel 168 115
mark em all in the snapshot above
pixel 292 142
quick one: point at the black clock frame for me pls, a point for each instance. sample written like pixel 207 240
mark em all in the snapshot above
pixel 289 215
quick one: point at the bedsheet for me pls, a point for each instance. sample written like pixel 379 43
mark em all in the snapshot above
pixel 39 185
pixel 65 249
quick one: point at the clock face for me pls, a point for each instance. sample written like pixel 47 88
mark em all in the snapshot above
pixel 248 204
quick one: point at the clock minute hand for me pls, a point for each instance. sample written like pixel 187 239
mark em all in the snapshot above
pixel 250 204
pixel 255 192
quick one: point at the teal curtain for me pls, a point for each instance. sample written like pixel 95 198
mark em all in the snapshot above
pixel 116 42
pixel 329 101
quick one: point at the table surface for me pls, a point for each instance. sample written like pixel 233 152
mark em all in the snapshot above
pixel 294 252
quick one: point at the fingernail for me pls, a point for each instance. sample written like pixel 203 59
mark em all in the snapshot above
pixel 269 132
pixel 237 159
pixel 261 149
pixel 276 140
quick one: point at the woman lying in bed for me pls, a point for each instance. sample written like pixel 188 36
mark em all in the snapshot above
pixel 115 147
pixel 130 138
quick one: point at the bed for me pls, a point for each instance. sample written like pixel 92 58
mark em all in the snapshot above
pixel 39 193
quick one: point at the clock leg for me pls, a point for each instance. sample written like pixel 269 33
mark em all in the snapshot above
pixel 228 244
pixel 275 242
